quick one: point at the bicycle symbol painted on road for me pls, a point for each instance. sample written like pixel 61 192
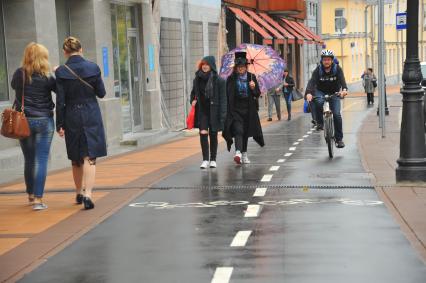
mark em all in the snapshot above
pixel 215 204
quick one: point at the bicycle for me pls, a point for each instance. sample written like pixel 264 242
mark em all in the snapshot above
pixel 329 123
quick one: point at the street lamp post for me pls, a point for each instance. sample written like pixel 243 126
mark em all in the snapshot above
pixel 412 158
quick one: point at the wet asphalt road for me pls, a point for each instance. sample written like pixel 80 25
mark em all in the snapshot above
pixel 317 220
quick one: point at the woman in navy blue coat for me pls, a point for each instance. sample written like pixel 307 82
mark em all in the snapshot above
pixel 79 119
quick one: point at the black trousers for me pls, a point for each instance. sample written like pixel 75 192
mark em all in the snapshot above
pixel 204 141
pixel 370 97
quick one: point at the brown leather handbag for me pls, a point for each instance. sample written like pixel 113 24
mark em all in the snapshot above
pixel 14 123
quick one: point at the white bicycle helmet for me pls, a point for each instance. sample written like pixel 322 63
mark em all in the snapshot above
pixel 327 53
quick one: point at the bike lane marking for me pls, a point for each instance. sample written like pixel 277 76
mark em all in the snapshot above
pixel 240 239
pixel 305 136
pixel 280 160
pixel 252 210
pixel 266 178
pixel 274 168
pixel 260 192
pixel 222 274
pixel 296 143
pixel 288 154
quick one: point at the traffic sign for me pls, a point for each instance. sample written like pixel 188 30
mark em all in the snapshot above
pixel 401 21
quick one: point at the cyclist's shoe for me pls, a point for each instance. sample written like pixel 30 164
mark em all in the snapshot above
pixel 319 127
pixel 340 144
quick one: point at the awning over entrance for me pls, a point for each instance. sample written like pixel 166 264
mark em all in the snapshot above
pixel 316 37
pixel 296 28
pixel 267 38
pixel 280 39
pixel 299 38
pixel 290 38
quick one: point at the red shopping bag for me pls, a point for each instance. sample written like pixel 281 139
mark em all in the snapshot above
pixel 190 120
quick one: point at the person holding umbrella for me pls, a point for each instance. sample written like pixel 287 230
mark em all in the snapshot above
pixel 242 120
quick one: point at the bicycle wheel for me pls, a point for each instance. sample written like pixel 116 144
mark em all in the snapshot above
pixel 329 134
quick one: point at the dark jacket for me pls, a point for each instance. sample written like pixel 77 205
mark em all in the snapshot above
pixel 217 102
pixel 37 96
pixel 330 82
pixel 78 111
pixel 290 82
pixel 254 127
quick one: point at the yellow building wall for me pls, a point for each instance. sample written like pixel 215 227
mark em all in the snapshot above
pixel 350 48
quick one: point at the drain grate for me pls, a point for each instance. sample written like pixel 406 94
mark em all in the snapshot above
pixel 272 187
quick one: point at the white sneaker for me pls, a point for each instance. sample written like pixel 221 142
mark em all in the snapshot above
pixel 39 206
pixel 213 164
pixel 237 157
pixel 245 159
pixel 204 165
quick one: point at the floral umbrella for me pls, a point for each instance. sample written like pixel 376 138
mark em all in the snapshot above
pixel 264 62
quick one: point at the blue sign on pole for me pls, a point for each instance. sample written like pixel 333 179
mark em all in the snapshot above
pixel 105 61
pixel 151 62
pixel 401 21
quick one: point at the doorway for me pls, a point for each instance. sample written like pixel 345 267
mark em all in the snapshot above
pixel 127 65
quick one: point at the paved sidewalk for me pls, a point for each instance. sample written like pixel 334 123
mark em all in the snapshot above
pixel 406 202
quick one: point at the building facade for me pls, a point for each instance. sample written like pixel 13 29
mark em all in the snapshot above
pixel 146 50
pixel 287 26
pixel 356 43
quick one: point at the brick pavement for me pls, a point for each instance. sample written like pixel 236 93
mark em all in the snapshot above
pixel 406 202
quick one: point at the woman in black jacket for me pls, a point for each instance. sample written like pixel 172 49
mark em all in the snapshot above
pixel 288 85
pixel 209 97
pixel 79 118
pixel 34 80
pixel 242 119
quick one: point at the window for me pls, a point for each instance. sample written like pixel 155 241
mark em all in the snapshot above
pixel 4 95
pixel 424 17
pixel 339 18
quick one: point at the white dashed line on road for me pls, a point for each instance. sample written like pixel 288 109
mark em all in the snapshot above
pixel 288 154
pixel 240 239
pixel 260 192
pixel 274 168
pixel 296 143
pixel 280 160
pixel 252 210
pixel 292 149
pixel 300 140
pixel 222 275
pixel 305 136
pixel 266 178
pixel 310 132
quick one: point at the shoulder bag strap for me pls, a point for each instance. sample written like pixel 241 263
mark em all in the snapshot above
pixel 23 91
pixel 78 77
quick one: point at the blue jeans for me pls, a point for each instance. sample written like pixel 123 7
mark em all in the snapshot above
pixel 288 98
pixel 335 108
pixel 36 154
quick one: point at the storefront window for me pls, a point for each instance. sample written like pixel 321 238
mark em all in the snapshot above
pixel 4 96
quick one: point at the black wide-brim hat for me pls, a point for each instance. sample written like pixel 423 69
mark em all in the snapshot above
pixel 240 58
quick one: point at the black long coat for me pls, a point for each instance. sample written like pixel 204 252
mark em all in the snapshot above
pixel 217 103
pixel 77 109
pixel 254 127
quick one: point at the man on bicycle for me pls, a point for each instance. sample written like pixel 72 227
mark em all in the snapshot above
pixel 327 78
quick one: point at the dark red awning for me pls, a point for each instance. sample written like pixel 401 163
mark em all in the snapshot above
pixel 290 38
pixel 267 38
